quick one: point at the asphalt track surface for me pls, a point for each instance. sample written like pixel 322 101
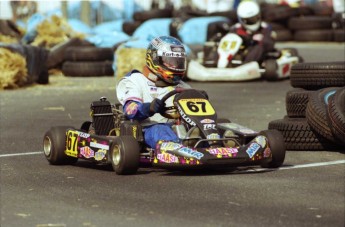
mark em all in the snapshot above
pixel 308 190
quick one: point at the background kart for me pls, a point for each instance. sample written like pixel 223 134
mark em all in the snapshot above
pixel 206 141
pixel 223 61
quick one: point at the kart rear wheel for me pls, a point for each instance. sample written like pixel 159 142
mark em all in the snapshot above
pixel 124 155
pixel 277 146
pixel 54 145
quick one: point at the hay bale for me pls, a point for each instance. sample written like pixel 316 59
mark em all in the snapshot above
pixel 53 31
pixel 128 59
pixel 7 39
pixel 13 69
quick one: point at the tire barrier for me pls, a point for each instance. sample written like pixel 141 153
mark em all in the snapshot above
pixel 87 61
pixel 57 53
pixel 35 62
pixel 87 69
pixel 315 107
pixel 304 23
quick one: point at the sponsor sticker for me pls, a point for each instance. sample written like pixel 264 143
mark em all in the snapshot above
pixel 261 140
pixel 100 154
pixel 207 121
pixel 132 108
pixel 190 153
pixel 167 158
pixel 209 126
pixel 87 152
pixel 252 149
pixel 213 136
pixel 170 146
pixel 224 151
pixel 267 152
pixel 185 117
pixel 100 146
pixel 171 54
pixel 84 135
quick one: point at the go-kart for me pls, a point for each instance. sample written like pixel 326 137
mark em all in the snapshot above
pixel 223 61
pixel 205 140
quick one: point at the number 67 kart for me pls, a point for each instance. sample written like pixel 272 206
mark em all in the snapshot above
pixel 205 140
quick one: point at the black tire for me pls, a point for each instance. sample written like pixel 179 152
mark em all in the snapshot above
pixel 322 10
pixel 310 23
pixel 336 115
pixel 339 35
pixel 277 26
pixel 316 112
pixel 298 135
pixel 150 14
pixel 129 27
pixel 87 69
pixel 277 145
pixel 87 53
pixel 338 20
pixel 271 68
pixel 304 11
pixel 278 12
pixel 314 76
pixel 283 35
pixel 43 77
pixel 216 27
pixel 54 145
pixel 56 54
pixel 313 35
pixel 9 28
pixel 296 101
pixel 124 155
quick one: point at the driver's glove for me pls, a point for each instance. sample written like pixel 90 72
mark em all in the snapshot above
pixel 150 108
pixel 157 106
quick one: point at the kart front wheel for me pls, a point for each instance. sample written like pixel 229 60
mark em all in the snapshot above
pixel 54 145
pixel 125 155
pixel 271 68
pixel 277 146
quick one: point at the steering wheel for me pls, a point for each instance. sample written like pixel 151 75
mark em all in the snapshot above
pixel 171 112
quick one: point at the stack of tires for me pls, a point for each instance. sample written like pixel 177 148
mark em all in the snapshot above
pixel 80 58
pixel 339 27
pixel 311 28
pixel 88 61
pixel 315 108
pixel 305 23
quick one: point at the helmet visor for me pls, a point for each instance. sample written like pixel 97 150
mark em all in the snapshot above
pixel 176 64
pixel 251 20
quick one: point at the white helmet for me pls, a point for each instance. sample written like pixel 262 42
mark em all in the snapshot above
pixel 249 15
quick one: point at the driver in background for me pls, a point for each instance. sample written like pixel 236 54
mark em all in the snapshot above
pixel 140 93
pixel 255 33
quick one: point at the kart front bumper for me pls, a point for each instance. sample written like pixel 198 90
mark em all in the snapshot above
pixel 170 155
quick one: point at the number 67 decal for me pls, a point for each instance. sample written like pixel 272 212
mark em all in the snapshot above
pixel 197 107
pixel 71 143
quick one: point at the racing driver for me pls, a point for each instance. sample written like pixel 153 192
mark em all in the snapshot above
pixel 255 33
pixel 140 93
